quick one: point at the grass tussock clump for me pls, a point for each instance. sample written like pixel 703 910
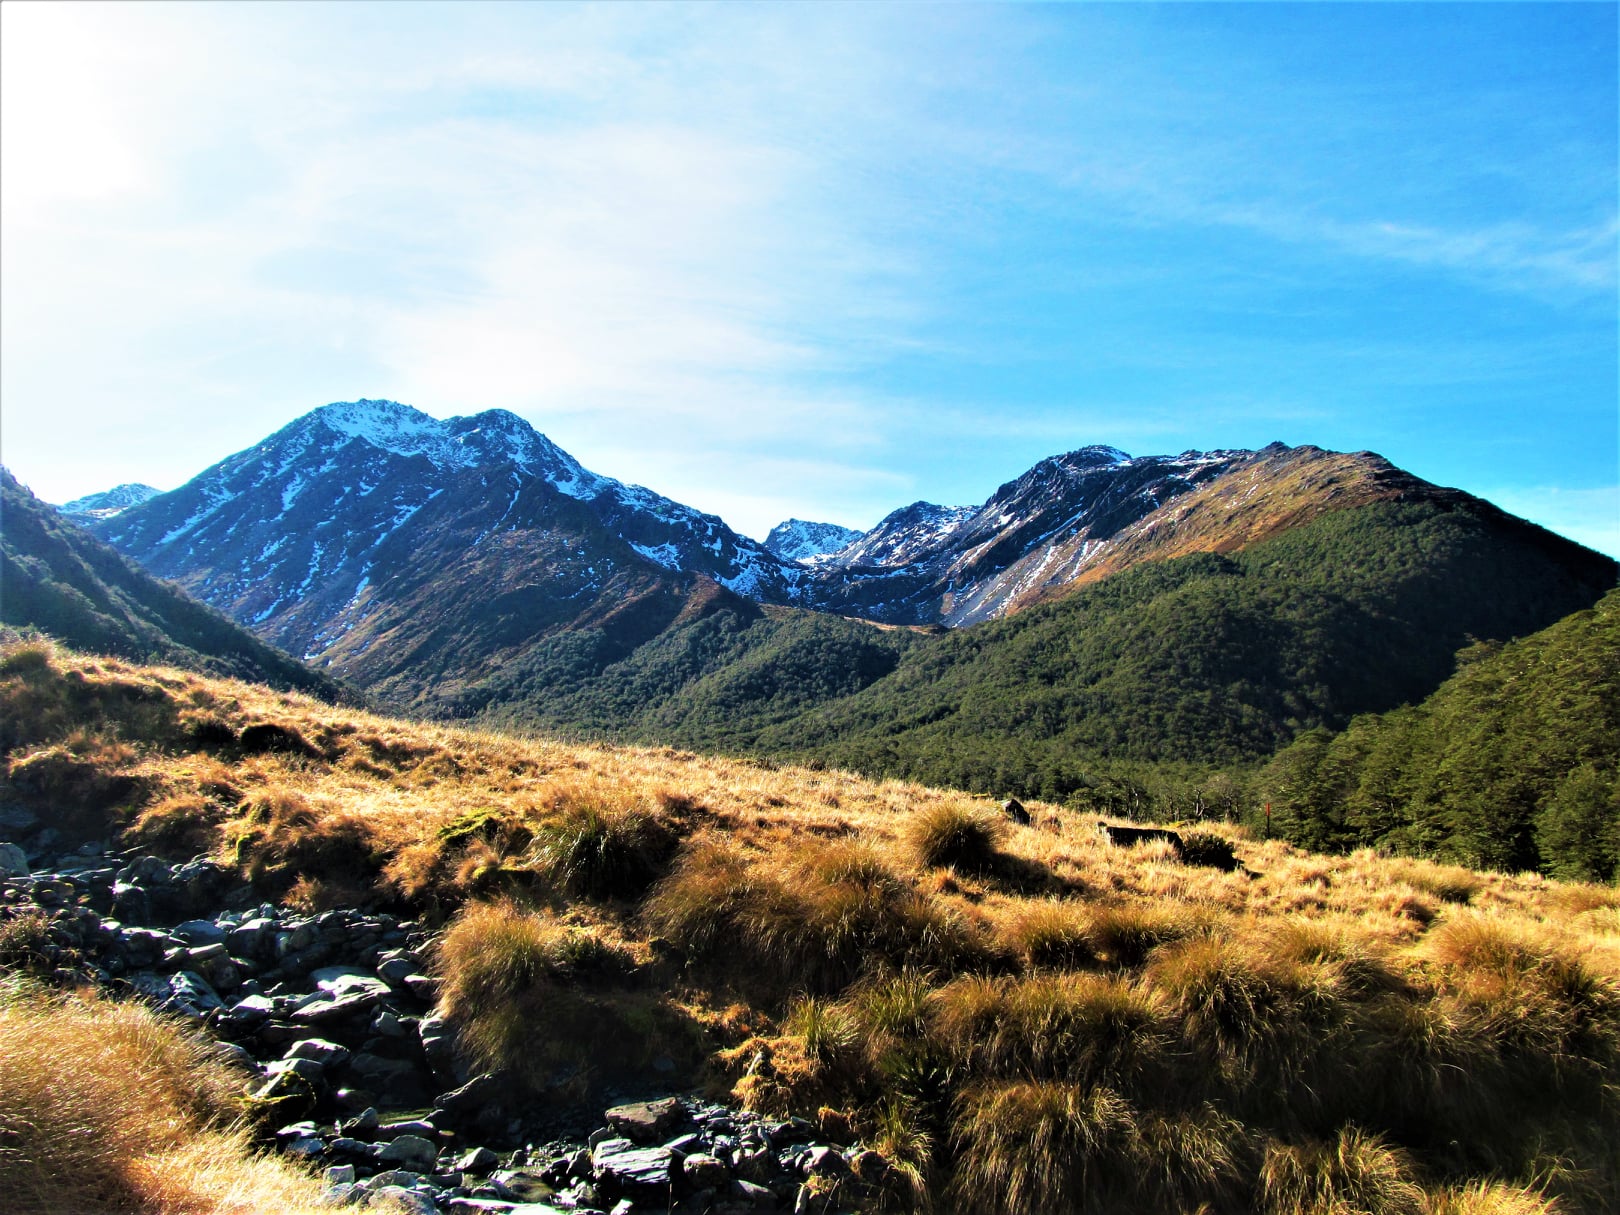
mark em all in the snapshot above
pixel 1264 1020
pixel 1127 933
pixel 548 1001
pixel 1076 1027
pixel 815 919
pixel 1050 932
pixel 181 825
pixel 108 1107
pixel 1043 1145
pixel 1353 1174
pixel 280 837
pixel 1491 1198
pixel 1528 993
pixel 956 835
pixel 601 844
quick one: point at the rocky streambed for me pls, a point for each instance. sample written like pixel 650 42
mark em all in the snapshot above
pixel 333 1013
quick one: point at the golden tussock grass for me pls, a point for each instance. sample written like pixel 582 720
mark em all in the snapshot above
pixel 1298 1032
pixel 108 1107
pixel 1353 1173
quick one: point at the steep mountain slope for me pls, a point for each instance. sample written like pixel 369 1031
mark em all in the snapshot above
pixel 955 566
pixel 109 502
pixel 1077 518
pixel 1209 658
pixel 904 537
pixel 1514 762
pixel 798 540
pixel 58 578
pixel 409 553
pixel 714 680
pixel 1201 659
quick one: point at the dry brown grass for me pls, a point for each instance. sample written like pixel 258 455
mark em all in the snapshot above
pixel 1301 1029
pixel 108 1107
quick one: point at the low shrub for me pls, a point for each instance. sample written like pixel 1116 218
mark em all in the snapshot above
pixel 1207 848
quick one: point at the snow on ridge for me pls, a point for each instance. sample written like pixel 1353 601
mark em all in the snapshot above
pixel 809 542
pixel 666 554
pixel 110 502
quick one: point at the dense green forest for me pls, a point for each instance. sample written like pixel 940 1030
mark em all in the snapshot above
pixel 56 577
pixel 1158 690
pixel 1206 660
pixel 1514 763
pixel 716 682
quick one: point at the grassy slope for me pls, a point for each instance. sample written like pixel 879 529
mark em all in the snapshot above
pixel 1514 762
pixel 1021 1018
pixel 56 577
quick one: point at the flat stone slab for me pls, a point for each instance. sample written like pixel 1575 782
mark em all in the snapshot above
pixel 647 1121
pixel 620 1165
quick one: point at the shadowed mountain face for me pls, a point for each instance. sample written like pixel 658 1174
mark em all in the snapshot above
pixel 58 578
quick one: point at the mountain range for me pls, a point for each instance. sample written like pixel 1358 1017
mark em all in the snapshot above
pixel 1204 607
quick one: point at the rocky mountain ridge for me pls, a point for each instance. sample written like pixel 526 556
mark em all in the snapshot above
pixel 800 540
pixel 402 550
pixel 417 556
pixel 109 502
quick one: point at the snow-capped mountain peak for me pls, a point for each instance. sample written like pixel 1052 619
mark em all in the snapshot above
pixel 109 502
pixel 801 540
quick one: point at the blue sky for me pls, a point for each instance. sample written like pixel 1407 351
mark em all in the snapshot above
pixel 820 260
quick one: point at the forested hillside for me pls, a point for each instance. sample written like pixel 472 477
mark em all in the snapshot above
pixel 57 577
pixel 1206 660
pixel 1514 763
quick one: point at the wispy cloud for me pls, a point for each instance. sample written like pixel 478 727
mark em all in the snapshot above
pixel 914 248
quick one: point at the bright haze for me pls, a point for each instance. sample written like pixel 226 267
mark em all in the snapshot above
pixel 819 261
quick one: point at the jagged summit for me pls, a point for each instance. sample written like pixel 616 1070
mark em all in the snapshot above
pixel 801 540
pixel 109 502
pixel 492 438
pixel 468 535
